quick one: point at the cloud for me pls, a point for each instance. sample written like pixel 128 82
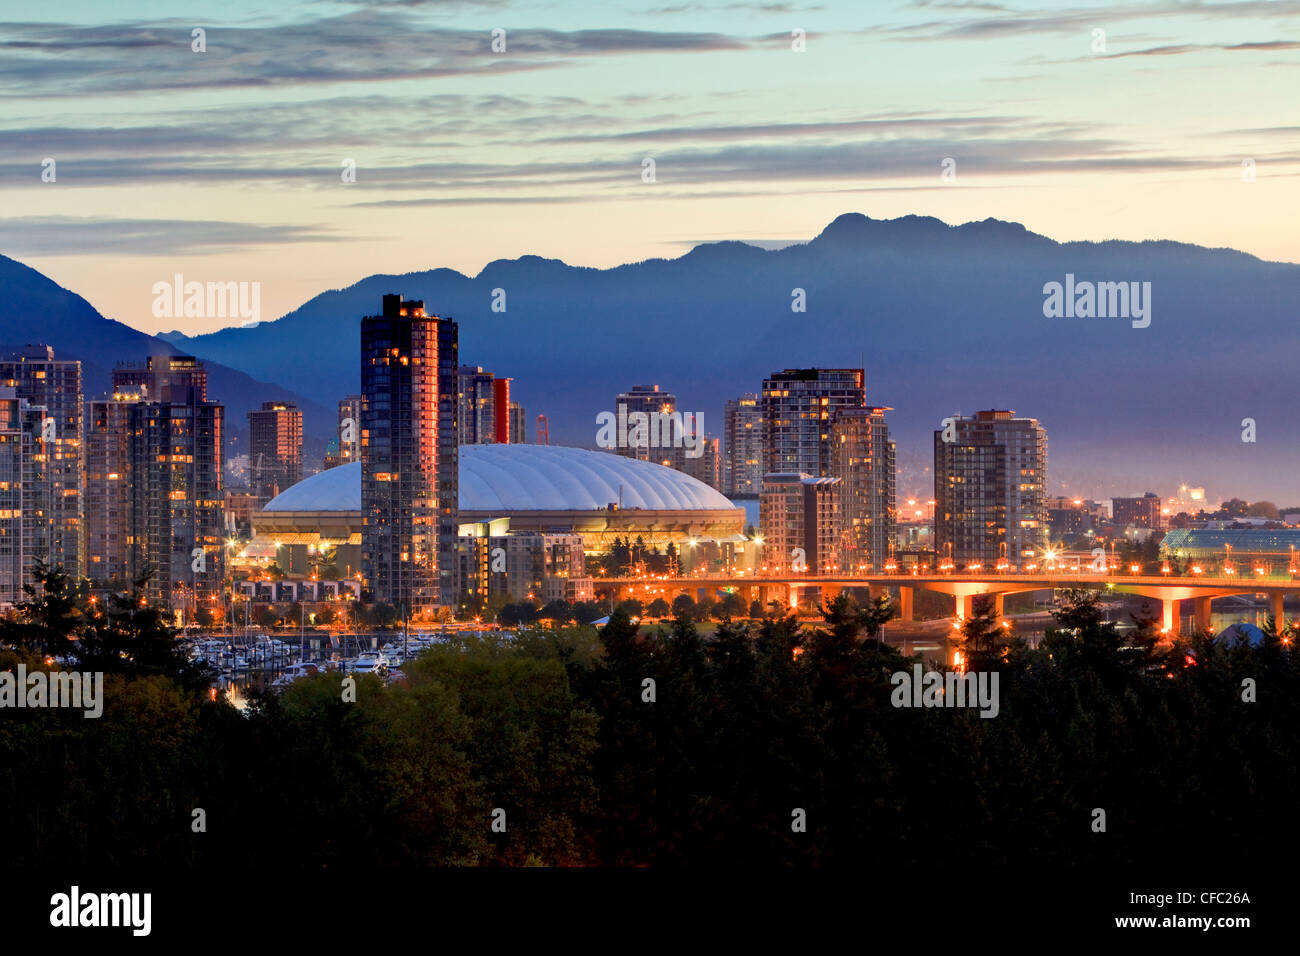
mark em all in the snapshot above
pixel 757 6
pixel 1003 22
pixel 741 157
pixel 969 125
pixel 292 129
pixel 47 59
pixel 28 236
pixel 1180 48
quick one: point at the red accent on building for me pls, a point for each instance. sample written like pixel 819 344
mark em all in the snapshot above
pixel 501 412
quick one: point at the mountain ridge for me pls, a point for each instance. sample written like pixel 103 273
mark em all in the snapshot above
pixel 945 317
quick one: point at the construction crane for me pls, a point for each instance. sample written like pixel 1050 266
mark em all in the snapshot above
pixel 543 433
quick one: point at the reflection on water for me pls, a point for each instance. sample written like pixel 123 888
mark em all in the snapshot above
pixel 236 690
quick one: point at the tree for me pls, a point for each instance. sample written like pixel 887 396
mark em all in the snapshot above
pixel 659 608
pixel 382 615
pixel 620 557
pixel 732 605
pixel 983 637
pixel 584 612
pixel 517 613
pixel 471 607
pixel 684 604
pixel 559 611
pixel 1263 509
pixel 632 607
pixel 50 615
pixel 133 639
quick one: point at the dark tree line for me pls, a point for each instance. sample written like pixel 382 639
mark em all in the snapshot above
pixel 636 746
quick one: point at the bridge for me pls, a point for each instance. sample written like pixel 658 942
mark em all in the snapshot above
pixel 964 587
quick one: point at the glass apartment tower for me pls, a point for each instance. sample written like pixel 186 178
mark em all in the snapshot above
pixel 990 476
pixel 409 462
pixel 798 405
pixel 54 490
pixel 864 461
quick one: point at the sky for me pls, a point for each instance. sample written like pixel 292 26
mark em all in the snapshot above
pixel 228 164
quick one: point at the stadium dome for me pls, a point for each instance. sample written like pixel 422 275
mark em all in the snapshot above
pixel 539 488
pixel 335 489
pixel 509 478
pixel 527 478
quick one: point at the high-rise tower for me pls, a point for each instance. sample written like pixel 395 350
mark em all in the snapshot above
pixel 53 492
pixel 990 476
pixel 409 439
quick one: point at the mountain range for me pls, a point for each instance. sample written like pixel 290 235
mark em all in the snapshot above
pixel 945 320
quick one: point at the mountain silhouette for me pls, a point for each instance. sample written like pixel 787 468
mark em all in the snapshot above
pixel 945 319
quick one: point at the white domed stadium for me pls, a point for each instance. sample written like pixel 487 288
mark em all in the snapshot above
pixel 549 488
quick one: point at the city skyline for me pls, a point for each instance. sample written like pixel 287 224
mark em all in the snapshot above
pixel 695 435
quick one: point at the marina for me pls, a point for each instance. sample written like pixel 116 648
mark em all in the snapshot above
pixel 254 660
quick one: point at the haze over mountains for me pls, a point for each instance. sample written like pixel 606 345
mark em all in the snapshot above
pixel 945 319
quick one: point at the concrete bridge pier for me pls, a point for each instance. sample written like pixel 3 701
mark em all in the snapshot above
pixel 1169 616
pixel 1202 612
pixel 965 606
pixel 905 603
pixel 773 592
pixel 1276 609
